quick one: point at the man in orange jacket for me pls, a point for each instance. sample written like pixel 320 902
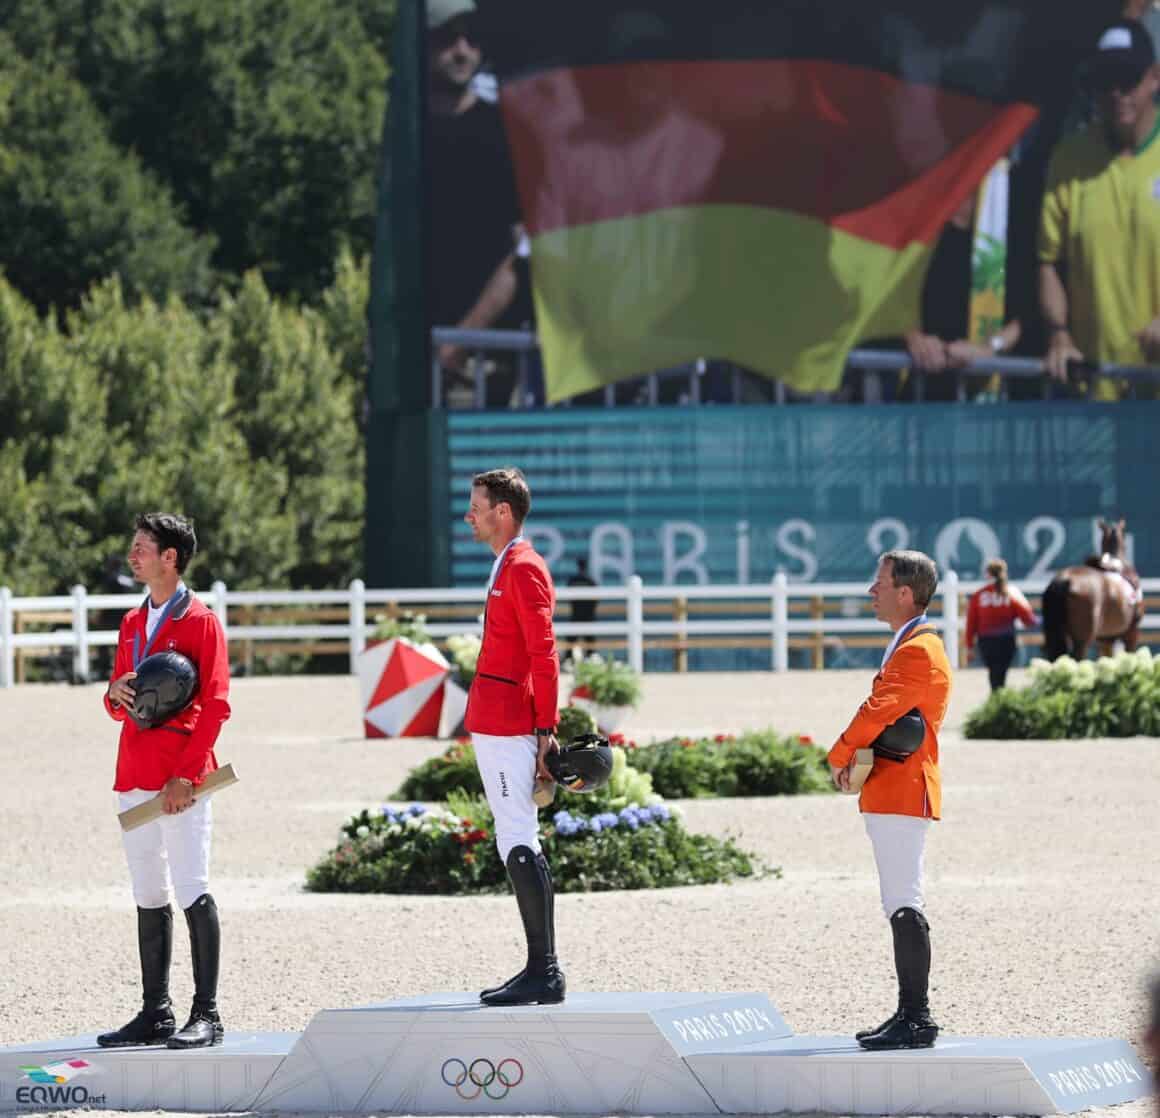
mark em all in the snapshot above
pixel 511 716
pixel 900 798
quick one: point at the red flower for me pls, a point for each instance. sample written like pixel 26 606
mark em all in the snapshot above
pixel 805 739
pixel 581 692
pixel 616 739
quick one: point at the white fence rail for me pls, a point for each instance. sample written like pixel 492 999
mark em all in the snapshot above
pixel 70 613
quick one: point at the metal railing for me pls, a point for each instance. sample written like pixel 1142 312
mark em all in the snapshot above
pixel 769 603
pixel 872 363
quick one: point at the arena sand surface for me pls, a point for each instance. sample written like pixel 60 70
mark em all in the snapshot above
pixel 1043 879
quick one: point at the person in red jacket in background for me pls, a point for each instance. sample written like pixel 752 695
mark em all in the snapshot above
pixel 991 615
pixel 512 715
pixel 172 760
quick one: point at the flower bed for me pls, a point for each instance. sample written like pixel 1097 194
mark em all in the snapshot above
pixel 422 850
pixel 758 763
pixel 455 768
pixel 1115 696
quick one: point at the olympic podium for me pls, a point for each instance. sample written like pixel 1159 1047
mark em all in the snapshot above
pixel 628 1053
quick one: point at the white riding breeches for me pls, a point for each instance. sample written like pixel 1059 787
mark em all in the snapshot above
pixel 899 842
pixel 172 847
pixel 507 766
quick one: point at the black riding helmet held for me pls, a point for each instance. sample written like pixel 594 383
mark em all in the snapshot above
pixel 163 687
pixel 583 765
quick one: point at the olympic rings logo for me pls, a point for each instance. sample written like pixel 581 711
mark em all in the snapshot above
pixel 492 1080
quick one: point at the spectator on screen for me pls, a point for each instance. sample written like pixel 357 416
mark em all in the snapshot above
pixel 940 343
pixel 475 270
pixel 1099 236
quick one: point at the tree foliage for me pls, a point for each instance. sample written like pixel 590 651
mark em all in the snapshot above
pixel 75 208
pixel 242 417
pixel 255 122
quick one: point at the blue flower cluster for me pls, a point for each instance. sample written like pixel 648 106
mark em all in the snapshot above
pixel 631 818
pixel 398 814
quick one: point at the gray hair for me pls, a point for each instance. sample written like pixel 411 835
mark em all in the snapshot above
pixel 916 570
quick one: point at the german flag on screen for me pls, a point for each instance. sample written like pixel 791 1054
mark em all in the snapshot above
pixel 760 182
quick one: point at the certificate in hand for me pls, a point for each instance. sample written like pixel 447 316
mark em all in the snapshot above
pixel 151 809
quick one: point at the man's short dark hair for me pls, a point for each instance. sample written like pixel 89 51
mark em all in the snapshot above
pixel 916 570
pixel 170 531
pixel 506 485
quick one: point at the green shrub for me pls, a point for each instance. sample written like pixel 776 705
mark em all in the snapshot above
pixel 574 721
pixel 455 768
pixel 410 626
pixel 438 777
pixel 1116 696
pixel 463 650
pixel 454 771
pixel 420 850
pixel 758 763
pixel 606 682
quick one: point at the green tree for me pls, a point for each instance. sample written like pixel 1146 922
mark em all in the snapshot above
pixel 74 208
pixel 294 410
pixel 262 116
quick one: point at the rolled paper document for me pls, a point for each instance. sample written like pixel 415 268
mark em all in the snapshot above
pixel 151 809
pixel 863 763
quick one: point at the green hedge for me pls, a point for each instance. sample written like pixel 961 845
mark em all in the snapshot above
pixel 1116 696
pixel 757 763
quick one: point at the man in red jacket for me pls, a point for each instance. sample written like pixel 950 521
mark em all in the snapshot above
pixel 512 716
pixel 171 759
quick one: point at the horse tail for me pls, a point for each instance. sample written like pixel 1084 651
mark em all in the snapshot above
pixel 1055 617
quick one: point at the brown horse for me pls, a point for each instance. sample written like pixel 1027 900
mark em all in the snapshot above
pixel 1099 601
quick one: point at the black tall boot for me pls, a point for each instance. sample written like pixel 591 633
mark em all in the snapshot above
pixel 491 991
pixel 912 1026
pixel 155 1023
pixel 204 1027
pixel 541 982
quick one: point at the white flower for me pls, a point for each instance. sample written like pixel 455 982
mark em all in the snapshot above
pixel 1085 676
pixel 1105 669
pixel 1144 655
pixel 1126 664
pixel 363 831
pixel 394 829
pixel 1038 665
pixel 413 822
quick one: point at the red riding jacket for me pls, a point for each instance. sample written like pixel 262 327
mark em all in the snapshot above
pixel 517 677
pixel 184 745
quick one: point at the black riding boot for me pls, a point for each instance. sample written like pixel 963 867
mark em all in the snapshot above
pixel 541 982
pixel 204 1027
pixel 155 1023
pixel 912 1026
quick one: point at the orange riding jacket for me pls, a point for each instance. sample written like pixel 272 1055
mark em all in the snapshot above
pixel 916 675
